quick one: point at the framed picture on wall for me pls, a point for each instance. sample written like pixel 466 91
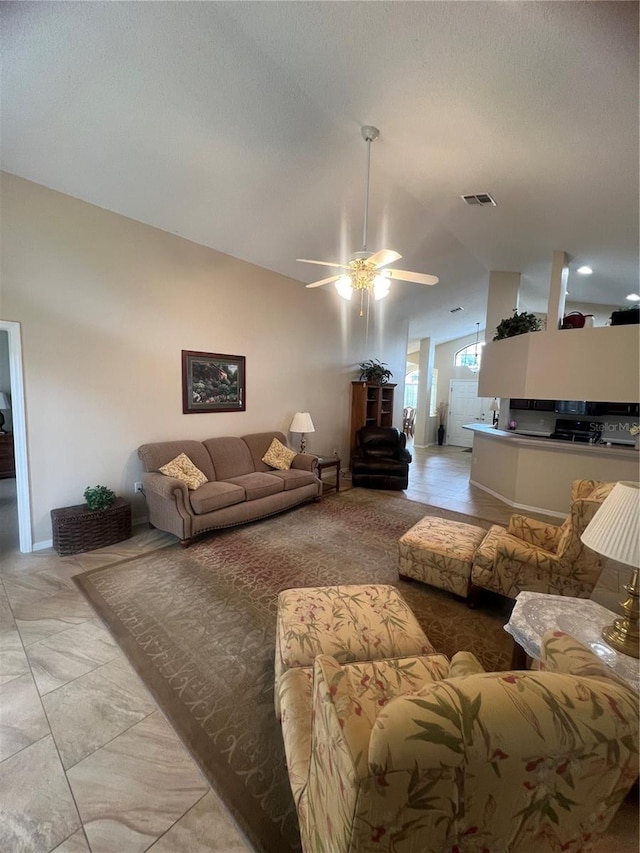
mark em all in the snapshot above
pixel 212 382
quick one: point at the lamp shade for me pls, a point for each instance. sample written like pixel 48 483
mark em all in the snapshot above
pixel 494 406
pixel 4 401
pixel 302 423
pixel 614 531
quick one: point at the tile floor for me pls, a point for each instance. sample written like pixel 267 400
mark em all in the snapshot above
pixel 87 760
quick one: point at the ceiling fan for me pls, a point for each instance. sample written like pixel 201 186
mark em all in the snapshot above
pixel 364 273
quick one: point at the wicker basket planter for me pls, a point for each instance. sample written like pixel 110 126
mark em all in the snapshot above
pixel 77 528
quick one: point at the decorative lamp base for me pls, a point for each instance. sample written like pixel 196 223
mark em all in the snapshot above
pixel 624 635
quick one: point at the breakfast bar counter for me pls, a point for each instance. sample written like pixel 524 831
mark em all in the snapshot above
pixel 535 473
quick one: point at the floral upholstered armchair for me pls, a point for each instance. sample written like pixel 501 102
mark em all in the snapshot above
pixel 542 557
pixel 419 755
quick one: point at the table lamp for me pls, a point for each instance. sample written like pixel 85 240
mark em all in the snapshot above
pixel 5 405
pixel 302 423
pixel 614 532
pixel 495 408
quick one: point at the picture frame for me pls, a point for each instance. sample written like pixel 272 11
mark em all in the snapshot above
pixel 212 382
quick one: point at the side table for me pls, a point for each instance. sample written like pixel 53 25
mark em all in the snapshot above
pixel 536 612
pixel 329 462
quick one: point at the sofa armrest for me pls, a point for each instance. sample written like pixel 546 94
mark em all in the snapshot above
pixel 306 462
pixel 164 487
pixel 169 504
pixel 561 652
pixel 535 532
pixel 515 550
pixel 338 754
pixel 464 663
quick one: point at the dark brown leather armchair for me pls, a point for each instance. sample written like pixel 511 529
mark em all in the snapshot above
pixel 380 459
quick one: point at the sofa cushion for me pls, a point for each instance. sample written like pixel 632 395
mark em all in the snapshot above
pixel 160 452
pixel 258 485
pixel 212 496
pixel 278 456
pixel 230 457
pixel 258 444
pixel 294 478
pixel 183 469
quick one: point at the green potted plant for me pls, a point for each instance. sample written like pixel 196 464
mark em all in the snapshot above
pixel 99 497
pixel 519 324
pixel 376 371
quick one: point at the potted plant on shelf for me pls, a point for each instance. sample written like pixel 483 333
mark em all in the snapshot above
pixel 441 409
pixel 519 324
pixel 375 371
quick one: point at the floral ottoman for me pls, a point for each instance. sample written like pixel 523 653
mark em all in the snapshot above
pixel 440 552
pixel 351 623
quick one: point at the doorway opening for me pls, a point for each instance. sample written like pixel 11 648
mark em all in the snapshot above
pixel 19 433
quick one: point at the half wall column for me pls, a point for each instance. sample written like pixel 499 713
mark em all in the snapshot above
pixel 557 289
pixel 504 290
pixel 422 432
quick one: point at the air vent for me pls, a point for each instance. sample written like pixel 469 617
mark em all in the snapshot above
pixel 482 199
pixel 455 310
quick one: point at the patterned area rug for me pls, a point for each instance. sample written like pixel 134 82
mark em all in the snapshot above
pixel 199 626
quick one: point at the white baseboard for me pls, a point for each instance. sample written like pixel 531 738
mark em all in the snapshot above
pixel 526 507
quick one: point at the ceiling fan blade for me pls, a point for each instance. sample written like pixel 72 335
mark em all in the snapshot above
pixel 416 277
pixel 322 263
pixel 324 281
pixel 383 257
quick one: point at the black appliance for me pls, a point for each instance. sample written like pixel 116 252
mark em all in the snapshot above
pixel 569 429
pixel 571 407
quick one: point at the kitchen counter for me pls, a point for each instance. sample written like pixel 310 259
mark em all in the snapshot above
pixel 534 472
pixel 531 438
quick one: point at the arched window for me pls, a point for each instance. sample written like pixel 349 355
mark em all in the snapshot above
pixel 469 356
pixel 411 381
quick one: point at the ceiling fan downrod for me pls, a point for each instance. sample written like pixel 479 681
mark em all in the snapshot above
pixel 369 134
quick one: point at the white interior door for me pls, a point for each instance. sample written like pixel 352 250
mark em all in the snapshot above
pixel 465 407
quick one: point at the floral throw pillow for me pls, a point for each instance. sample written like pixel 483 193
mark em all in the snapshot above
pixel 183 469
pixel 278 456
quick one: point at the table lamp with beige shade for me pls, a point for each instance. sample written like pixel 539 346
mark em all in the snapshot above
pixel 614 532
pixel 302 423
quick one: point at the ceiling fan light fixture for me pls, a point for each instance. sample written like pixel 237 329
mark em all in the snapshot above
pixel 343 286
pixel 381 285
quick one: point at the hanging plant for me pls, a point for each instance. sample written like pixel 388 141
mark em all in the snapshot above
pixel 375 371
pixel 519 324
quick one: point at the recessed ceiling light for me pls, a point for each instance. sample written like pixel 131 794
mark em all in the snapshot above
pixel 633 297
pixel 584 270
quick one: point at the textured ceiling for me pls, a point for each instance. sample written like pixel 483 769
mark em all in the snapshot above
pixel 237 125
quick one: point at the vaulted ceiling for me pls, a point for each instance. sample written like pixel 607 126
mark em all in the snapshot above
pixel 237 125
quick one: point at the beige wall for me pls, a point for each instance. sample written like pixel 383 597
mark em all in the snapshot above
pixel 106 304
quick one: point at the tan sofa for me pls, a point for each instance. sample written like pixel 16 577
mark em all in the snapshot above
pixel 240 487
